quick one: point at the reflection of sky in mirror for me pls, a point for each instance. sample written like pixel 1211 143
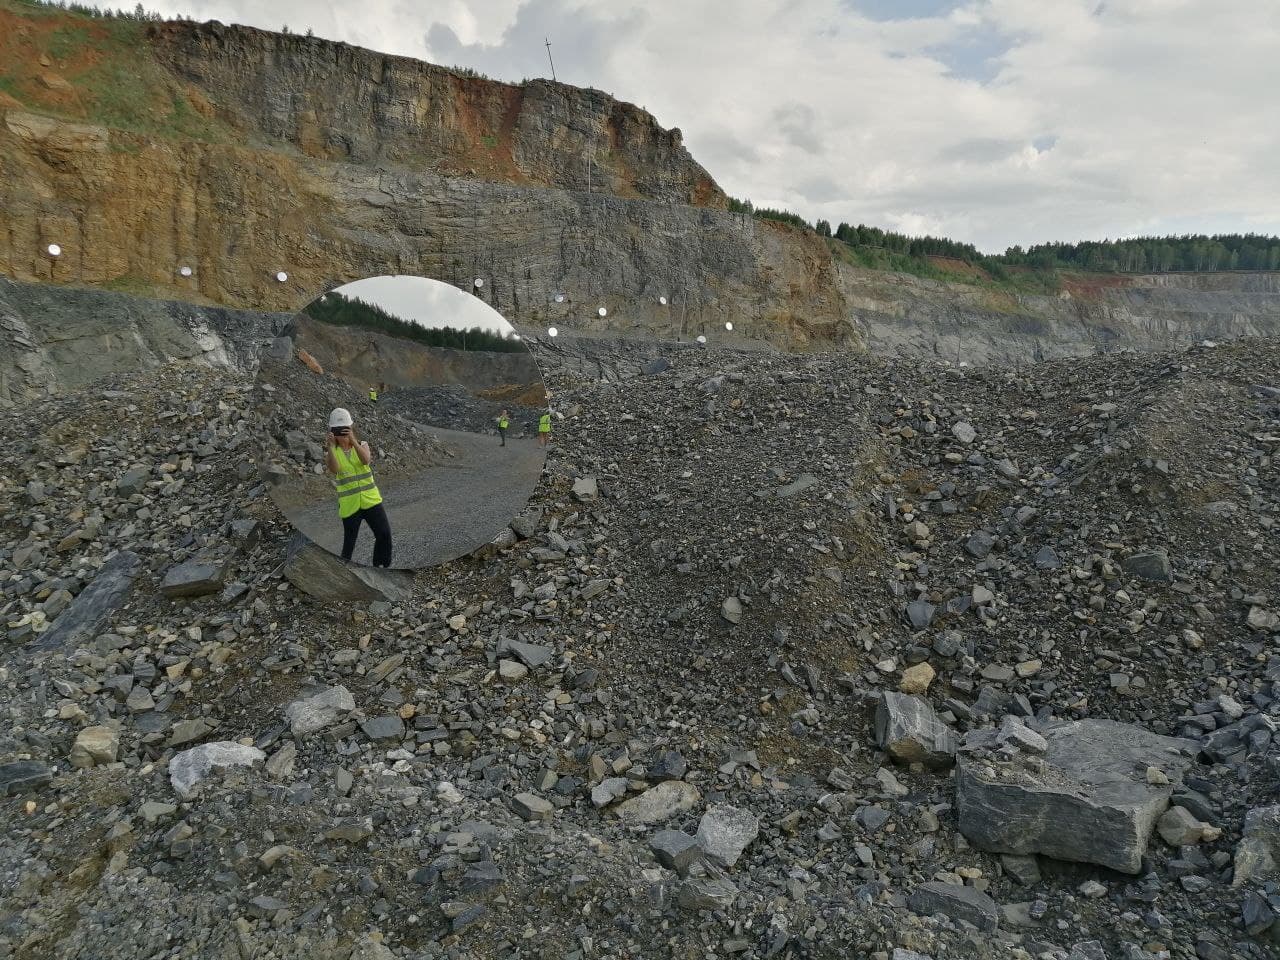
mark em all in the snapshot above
pixel 429 303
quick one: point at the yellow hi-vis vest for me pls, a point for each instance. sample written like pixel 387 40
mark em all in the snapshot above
pixel 544 423
pixel 373 395
pixel 354 483
pixel 503 423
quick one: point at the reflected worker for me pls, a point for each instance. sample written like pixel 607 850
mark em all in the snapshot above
pixel 544 429
pixel 349 460
pixel 503 423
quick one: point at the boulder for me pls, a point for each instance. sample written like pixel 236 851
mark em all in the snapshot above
pixel 318 573
pixel 530 806
pixel 280 349
pixel 94 745
pixel 1088 800
pixel 93 606
pixel 725 831
pixel 1152 565
pixel 707 893
pixel 585 489
pixel 1257 855
pixel 957 902
pixel 910 732
pixel 675 850
pixel 532 655
pixel 193 579
pixel 188 768
pixel 916 679
pixel 660 803
pixel 314 712
pixel 23 776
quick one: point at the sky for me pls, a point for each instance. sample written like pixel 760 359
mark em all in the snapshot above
pixel 996 122
pixel 429 303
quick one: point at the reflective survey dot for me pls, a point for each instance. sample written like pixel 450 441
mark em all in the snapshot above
pixel 602 312
pixel 55 250
pixel 552 332
pixel 282 276
pixel 728 324
pixel 185 271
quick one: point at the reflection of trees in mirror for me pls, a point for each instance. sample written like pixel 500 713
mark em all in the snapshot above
pixel 340 310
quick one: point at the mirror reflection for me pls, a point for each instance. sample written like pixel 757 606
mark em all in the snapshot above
pixel 408 422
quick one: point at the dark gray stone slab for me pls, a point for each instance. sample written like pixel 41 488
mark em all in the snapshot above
pixel 530 654
pixel 23 776
pixel 909 731
pixel 94 605
pixel 1089 801
pixel 957 902
pixel 1153 565
pixel 195 578
pixel 318 573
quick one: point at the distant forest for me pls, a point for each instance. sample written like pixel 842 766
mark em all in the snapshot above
pixel 1188 252
pixel 343 311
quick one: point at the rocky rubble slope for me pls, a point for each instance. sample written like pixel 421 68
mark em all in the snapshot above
pixel 787 658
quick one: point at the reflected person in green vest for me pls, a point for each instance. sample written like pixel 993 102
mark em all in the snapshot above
pixel 544 429
pixel 348 459
pixel 503 423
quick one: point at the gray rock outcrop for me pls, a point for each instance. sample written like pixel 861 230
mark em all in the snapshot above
pixel 1088 800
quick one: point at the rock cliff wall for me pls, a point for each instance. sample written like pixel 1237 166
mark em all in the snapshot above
pixel 58 339
pixel 240 154
pixel 901 314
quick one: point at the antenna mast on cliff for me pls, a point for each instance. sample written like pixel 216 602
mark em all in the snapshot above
pixel 549 60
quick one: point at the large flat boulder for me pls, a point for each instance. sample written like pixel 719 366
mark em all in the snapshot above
pixel 318 573
pixel 93 606
pixel 1089 799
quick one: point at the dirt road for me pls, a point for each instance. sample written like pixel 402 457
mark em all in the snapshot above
pixel 446 511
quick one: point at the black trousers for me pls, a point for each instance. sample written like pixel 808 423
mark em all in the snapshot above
pixel 502 435
pixel 376 518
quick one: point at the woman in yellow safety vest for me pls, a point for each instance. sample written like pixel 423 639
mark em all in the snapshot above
pixel 544 428
pixel 503 423
pixel 348 459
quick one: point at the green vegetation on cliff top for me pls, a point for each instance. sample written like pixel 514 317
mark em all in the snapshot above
pixel 78 63
pixel 338 310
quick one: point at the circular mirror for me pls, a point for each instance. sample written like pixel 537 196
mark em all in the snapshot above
pixel 602 312
pixel 282 276
pixel 552 332
pixel 728 324
pixel 403 422
pixel 55 250
pixel 663 301
pixel 701 338
pixel 559 298
pixel 479 282
pixel 185 271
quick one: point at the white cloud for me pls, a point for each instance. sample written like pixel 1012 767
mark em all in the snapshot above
pixel 1096 117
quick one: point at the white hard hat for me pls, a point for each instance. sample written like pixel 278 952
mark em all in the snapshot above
pixel 339 418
